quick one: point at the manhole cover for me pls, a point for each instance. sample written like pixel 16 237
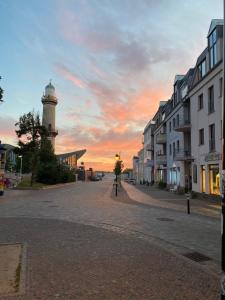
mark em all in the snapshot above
pixel 165 219
pixel 196 256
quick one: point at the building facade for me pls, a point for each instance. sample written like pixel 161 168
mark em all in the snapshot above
pixel 206 111
pixel 184 147
pixel 49 101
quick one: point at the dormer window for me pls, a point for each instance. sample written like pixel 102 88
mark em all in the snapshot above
pixel 213 48
pixel 202 69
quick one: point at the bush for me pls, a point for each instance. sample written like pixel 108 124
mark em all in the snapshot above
pixel 162 185
pixel 53 173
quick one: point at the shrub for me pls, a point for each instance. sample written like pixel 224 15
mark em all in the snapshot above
pixel 162 185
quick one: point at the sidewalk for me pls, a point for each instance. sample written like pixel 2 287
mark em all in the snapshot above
pixel 165 199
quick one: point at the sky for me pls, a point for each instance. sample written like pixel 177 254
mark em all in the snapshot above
pixel 111 62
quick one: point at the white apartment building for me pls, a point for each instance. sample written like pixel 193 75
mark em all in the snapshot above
pixel 178 122
pixel 160 141
pixel 206 112
pixel 149 152
pixel 183 142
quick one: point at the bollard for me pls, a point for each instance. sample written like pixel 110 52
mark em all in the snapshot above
pixel 188 203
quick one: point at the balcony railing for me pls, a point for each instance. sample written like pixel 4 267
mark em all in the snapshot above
pixel 161 159
pixel 182 154
pixel 212 145
pixel 161 138
pixel 183 126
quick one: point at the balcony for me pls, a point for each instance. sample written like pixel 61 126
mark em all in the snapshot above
pixel 183 126
pixel 149 147
pixel 182 155
pixel 161 159
pixel 161 138
pixel 149 163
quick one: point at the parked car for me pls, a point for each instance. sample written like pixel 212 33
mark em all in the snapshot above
pixel 94 178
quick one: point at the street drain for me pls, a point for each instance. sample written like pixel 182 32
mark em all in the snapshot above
pixel 196 256
pixel 165 219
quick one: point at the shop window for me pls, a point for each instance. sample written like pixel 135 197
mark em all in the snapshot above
pixel 195 177
pixel 214 179
pixel 203 179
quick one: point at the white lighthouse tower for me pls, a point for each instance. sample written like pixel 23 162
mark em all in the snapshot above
pixel 49 101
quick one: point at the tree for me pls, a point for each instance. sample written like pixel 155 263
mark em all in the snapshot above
pixel 30 133
pixel 1 92
pixel 118 167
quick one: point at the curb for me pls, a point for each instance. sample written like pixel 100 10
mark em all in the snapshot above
pixel 44 187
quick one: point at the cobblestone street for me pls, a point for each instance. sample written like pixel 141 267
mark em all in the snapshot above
pixel 84 243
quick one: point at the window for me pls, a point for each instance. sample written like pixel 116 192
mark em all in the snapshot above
pixel 174 122
pixel 178 120
pixel 202 69
pixel 201 136
pixel 174 149
pixel 170 149
pixel 195 170
pixel 203 179
pixel 211 99
pixel 213 48
pixel 178 146
pixel 212 138
pixel 200 102
pixel 170 126
pixel 221 87
pixel 214 179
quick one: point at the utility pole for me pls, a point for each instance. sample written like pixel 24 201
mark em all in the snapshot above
pixel 222 280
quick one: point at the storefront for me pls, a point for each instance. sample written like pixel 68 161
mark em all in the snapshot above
pixel 174 176
pixel 214 179
pixel 203 179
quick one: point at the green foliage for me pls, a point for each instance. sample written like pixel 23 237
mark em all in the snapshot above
pixel 29 133
pixel 118 167
pixel 162 185
pixel 49 170
pixel 1 92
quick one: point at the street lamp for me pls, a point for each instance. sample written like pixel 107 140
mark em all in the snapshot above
pixel 117 158
pixel 21 165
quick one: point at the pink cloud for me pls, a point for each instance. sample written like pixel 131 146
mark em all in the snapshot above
pixel 70 76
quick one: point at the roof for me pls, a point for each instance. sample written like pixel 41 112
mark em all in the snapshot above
pixel 178 77
pixel 78 154
pixel 214 23
pixel 8 146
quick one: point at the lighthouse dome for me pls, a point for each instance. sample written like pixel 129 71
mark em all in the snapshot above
pixel 49 90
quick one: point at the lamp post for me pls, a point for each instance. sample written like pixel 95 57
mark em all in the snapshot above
pixel 117 158
pixel 21 165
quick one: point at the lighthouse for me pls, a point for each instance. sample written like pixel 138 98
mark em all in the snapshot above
pixel 49 101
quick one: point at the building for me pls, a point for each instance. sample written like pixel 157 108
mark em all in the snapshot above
pixel 49 101
pixel 206 111
pixel 135 168
pixel 149 152
pixel 160 142
pixel 70 159
pixel 10 163
pixel 184 147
